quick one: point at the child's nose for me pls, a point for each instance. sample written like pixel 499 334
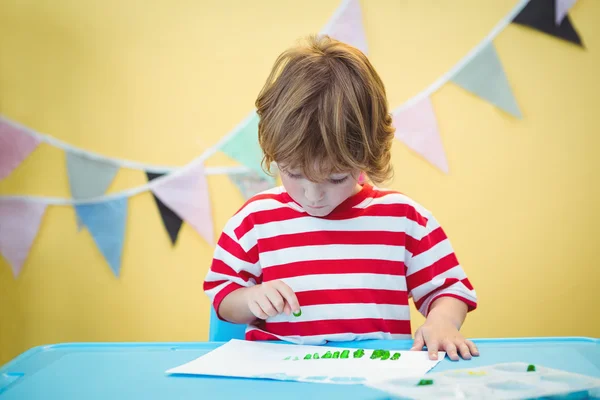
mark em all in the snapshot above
pixel 314 192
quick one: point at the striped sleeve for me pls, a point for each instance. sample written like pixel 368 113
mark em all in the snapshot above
pixel 232 267
pixel 433 270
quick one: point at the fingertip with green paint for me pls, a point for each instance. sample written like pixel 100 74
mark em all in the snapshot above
pixel 297 313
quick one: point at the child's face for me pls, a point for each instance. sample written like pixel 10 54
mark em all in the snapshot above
pixel 320 198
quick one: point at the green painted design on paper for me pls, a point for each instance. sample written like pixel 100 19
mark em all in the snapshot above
pixel 425 382
pixel 359 353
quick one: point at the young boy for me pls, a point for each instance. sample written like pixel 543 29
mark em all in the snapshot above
pixel 328 257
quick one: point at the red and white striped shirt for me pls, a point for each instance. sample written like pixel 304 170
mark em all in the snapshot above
pixel 353 270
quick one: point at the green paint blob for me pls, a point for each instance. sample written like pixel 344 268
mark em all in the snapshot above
pixel 345 354
pixel 531 368
pixel 358 353
pixel 376 354
pixel 307 357
pixel 336 354
pixel 315 356
pixel 297 314
pixel 327 355
pixel 425 382
pixel 396 356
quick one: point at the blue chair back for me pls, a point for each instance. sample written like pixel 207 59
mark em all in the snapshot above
pixel 221 331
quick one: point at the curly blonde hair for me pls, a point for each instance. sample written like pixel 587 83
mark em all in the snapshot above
pixel 323 110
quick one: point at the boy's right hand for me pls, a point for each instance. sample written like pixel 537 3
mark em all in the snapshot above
pixel 271 298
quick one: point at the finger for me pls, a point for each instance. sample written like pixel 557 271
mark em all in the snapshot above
pixel 472 348
pixel 287 309
pixel 266 306
pixel 451 350
pixel 289 296
pixel 419 342
pixel 257 311
pixel 432 348
pixel 464 351
pixel 276 300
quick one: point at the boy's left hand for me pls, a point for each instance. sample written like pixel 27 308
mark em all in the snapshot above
pixel 440 334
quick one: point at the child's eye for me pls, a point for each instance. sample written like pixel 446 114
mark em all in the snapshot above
pixel 338 181
pixel 294 176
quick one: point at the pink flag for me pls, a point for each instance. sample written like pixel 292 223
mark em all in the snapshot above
pixel 15 146
pixel 19 224
pixel 187 196
pixel 562 8
pixel 417 127
pixel 346 25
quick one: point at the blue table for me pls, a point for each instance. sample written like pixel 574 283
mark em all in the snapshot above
pixel 136 370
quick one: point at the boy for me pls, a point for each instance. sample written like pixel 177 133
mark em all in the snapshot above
pixel 328 257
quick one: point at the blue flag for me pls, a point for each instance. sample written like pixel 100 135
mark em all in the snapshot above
pixel 106 223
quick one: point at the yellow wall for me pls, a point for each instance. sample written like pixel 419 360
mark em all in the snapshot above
pixel 159 83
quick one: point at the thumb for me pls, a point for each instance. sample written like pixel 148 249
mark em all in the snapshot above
pixel 419 341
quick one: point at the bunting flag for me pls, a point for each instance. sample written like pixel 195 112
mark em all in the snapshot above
pixel 243 145
pixel 106 223
pixel 170 219
pixel 15 146
pixel 19 224
pixel 250 184
pixel 562 8
pixel 416 126
pixel 88 177
pixel 187 196
pixel 543 15
pixel 346 25
pixel 484 76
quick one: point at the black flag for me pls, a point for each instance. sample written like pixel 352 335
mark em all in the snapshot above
pixel 541 15
pixel 171 220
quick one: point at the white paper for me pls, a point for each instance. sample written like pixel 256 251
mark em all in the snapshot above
pixel 260 360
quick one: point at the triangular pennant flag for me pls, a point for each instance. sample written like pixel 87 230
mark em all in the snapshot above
pixel 541 15
pixel 484 76
pixel 243 145
pixel 250 184
pixel 15 146
pixel 106 223
pixel 562 8
pixel 346 25
pixel 88 177
pixel 417 127
pixel 171 221
pixel 187 196
pixel 19 224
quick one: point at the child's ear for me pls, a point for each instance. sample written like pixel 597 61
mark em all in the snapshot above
pixel 361 178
